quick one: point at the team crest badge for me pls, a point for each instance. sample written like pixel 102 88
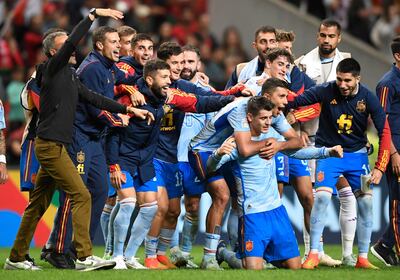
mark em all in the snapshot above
pixel 320 176
pixel 80 157
pixel 361 106
pixel 249 245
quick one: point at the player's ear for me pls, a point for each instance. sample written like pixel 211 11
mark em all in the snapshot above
pixel 249 117
pixel 99 45
pixel 149 80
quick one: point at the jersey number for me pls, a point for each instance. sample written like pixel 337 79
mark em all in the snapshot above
pixel 345 122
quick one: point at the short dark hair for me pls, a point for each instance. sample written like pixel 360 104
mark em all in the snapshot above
pixel 264 29
pixel 141 37
pixel 329 23
pixel 154 65
pixel 190 48
pixel 275 53
pixel 349 65
pixel 258 103
pixel 126 30
pixel 99 34
pixel 271 84
pixel 395 45
pixel 168 49
pixel 285 36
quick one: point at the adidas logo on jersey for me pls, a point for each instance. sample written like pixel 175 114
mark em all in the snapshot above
pixel 333 102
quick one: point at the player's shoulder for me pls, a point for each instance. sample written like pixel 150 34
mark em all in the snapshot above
pixel 240 67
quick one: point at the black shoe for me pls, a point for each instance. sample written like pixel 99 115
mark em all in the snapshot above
pixel 220 247
pixel 44 253
pixel 71 258
pixel 31 260
pixel 59 261
pixel 386 255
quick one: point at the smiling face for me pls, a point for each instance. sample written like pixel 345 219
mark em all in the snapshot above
pixel 110 47
pixel 159 82
pixel 176 63
pixel 279 98
pixel 328 38
pixel 347 83
pixel 278 68
pixel 143 51
pixel 191 65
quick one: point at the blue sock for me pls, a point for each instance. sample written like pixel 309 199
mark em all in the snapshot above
pixel 110 235
pixel 189 231
pixel 140 228
pixel 105 219
pixel 175 239
pixel 151 246
pixel 364 222
pixel 318 216
pixel 121 224
pixel 164 240
pixel 233 223
pixel 210 245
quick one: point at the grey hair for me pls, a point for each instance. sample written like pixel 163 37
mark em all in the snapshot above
pixel 48 42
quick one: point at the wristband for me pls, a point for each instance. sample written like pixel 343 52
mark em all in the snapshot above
pixel 390 154
pixel 3 159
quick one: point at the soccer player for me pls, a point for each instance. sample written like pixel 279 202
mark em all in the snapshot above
pixel 127 64
pixel 387 91
pixel 278 64
pixel 265 229
pixel 224 124
pixel 346 107
pixel 320 65
pixel 192 187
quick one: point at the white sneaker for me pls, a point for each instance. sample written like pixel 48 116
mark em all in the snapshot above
pixel 25 265
pixel 120 262
pixel 93 263
pixel 133 263
pixel 326 260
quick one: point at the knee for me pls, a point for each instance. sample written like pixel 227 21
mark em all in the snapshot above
pixel 173 213
pixel 162 209
pixel 221 199
pixel 192 207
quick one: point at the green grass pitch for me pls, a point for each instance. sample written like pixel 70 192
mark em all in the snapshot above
pixel 191 274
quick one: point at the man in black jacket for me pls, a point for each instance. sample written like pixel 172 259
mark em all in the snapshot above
pixel 60 91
